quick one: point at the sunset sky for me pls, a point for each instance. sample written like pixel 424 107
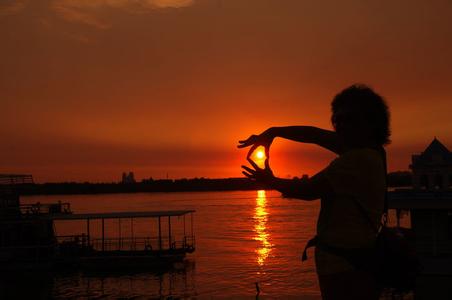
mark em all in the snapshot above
pixel 92 88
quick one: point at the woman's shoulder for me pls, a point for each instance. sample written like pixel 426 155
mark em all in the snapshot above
pixel 362 152
pixel 362 156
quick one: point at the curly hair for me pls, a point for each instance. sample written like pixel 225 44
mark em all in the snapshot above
pixel 366 103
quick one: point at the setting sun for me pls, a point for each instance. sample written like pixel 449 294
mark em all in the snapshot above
pixel 259 156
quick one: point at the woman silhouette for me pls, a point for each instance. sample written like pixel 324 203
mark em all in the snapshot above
pixel 351 188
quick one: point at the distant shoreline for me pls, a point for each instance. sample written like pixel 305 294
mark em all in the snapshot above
pixel 146 186
pixel 395 179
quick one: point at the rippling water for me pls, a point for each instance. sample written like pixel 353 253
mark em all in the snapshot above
pixel 241 238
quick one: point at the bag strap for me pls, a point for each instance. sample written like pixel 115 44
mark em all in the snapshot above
pixel 311 243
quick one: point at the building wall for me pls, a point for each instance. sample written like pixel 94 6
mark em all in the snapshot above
pixel 432 178
pixel 433 230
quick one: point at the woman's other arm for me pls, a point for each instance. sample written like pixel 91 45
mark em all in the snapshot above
pixel 312 188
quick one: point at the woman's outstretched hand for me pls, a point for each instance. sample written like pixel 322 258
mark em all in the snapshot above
pixel 264 139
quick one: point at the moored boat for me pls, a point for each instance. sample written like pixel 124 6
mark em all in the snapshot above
pixel 28 238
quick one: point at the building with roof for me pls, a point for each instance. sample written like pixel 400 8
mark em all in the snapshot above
pixel 432 169
pixel 128 178
pixel 429 203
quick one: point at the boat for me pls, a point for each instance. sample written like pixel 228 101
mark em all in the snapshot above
pixel 28 239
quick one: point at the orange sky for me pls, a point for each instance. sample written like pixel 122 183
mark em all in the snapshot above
pixel 89 89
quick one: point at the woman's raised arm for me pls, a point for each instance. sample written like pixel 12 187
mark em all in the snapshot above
pixel 304 134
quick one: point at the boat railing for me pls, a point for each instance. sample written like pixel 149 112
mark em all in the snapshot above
pixel 10 182
pixel 125 243
pixel 79 240
pixel 15 179
pixel 45 208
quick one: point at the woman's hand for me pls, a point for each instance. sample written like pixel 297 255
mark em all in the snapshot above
pixel 264 139
pixel 262 175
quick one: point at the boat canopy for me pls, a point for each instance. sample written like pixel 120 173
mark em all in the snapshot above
pixel 120 215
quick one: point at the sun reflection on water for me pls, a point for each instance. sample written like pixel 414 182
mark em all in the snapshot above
pixel 260 228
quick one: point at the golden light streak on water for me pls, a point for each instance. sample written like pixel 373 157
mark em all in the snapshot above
pixel 260 228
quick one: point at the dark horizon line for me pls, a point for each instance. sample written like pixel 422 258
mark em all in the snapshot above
pixel 395 179
pixel 143 180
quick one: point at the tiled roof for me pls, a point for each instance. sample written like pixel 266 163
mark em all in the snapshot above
pixel 436 153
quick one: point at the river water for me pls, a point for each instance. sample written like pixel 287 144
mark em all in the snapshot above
pixel 242 237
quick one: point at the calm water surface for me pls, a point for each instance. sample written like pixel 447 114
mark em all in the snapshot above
pixel 241 238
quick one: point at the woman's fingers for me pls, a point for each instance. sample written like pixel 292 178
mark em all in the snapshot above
pixel 241 144
pixel 267 163
pixel 250 176
pixel 253 164
pixel 249 170
pixel 267 151
pixel 251 151
pixel 248 142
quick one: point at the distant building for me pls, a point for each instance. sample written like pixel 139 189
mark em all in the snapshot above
pixel 429 202
pixel 432 169
pixel 128 178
